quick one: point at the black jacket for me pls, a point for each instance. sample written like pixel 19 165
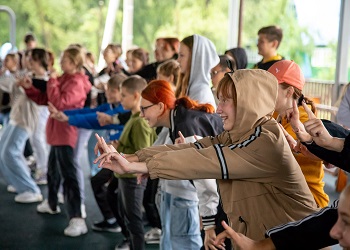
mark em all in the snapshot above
pixel 193 122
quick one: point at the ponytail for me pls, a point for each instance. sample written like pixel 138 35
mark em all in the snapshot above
pixel 194 105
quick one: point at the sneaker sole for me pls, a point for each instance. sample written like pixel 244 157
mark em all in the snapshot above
pixel 110 230
pixel 29 201
pixel 81 233
pixel 41 182
pixel 48 212
pixel 153 242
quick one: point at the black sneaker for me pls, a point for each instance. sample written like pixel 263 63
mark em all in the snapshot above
pixel 124 245
pixel 104 226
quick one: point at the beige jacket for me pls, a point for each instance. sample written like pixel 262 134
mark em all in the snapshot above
pixel 260 182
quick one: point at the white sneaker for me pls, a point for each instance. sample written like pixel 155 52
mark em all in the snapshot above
pixel 153 236
pixel 60 198
pixel 40 177
pixel 77 227
pixel 28 197
pixel 45 208
pixel 83 211
pixel 11 189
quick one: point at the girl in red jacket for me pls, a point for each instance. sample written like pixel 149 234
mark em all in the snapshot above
pixel 65 92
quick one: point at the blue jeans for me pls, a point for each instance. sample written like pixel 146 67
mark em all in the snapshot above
pixel 12 162
pixel 180 223
pixel 83 138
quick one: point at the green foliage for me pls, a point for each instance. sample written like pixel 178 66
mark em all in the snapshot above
pixel 296 40
pixel 60 23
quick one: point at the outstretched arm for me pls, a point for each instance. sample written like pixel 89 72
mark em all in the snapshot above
pixel 115 161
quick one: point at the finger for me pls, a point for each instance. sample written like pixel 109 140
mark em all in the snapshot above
pixel 139 179
pixel 104 145
pixel 295 108
pixel 112 148
pixel 229 230
pixel 181 136
pixel 97 146
pixel 309 112
pixel 100 157
pixel 220 238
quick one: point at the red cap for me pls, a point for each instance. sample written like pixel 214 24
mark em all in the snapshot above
pixel 289 72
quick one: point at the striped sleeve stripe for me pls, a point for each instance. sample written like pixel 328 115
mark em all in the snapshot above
pixel 198 145
pixel 296 223
pixel 223 165
pixel 247 142
pixel 208 221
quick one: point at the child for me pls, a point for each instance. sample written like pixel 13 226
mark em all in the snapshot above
pixel 135 136
pixel 197 57
pixel 23 119
pixel 270 38
pixel 328 226
pixel 166 48
pixel 39 67
pixel 169 71
pixel 290 85
pixel 218 72
pixel 139 59
pixel 111 55
pixel 65 92
pixel 87 118
pixel 8 68
pixel 238 57
pixel 180 115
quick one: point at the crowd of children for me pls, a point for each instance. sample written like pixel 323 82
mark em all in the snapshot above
pixel 243 165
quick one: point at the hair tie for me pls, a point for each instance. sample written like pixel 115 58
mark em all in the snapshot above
pixel 300 100
pixel 229 65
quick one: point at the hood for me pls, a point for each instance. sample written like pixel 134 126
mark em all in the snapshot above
pixel 240 57
pixel 256 99
pixel 204 58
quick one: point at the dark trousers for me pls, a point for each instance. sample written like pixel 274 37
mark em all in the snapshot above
pixel 28 150
pixel 98 182
pixel 130 202
pixel 149 203
pixel 61 165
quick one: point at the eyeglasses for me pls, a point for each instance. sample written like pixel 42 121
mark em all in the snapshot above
pixel 144 108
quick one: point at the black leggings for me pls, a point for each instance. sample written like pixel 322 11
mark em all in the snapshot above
pixel 61 165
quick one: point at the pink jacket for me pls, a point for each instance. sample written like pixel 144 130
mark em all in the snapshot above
pixel 65 92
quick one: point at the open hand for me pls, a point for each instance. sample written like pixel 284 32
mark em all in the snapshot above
pixel 56 114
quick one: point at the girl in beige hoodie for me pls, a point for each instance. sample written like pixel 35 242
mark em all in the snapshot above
pixel 260 182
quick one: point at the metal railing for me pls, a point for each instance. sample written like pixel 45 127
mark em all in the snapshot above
pixel 321 93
